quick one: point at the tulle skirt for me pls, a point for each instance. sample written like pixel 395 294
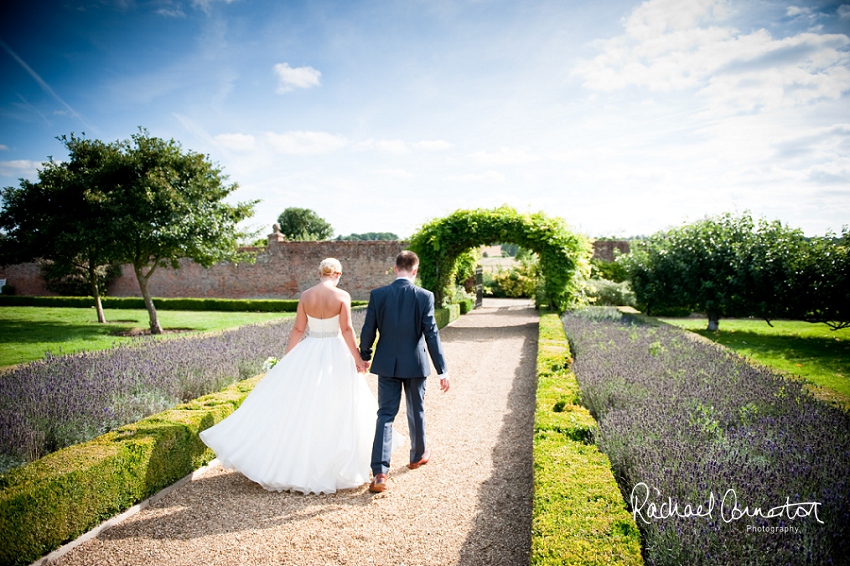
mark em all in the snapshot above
pixel 307 426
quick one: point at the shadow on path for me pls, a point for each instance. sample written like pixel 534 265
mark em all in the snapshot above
pixel 502 526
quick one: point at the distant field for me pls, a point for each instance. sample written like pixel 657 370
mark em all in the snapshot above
pixel 812 351
pixel 27 333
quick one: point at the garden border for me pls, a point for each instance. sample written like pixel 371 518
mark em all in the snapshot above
pixel 55 499
pixel 120 518
pixel 579 515
pixel 182 304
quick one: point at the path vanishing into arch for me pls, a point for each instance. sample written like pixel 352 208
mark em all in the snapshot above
pixel 470 505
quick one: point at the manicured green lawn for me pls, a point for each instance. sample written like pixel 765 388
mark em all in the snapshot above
pixel 813 351
pixel 26 333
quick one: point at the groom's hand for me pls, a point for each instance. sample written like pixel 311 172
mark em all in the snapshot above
pixel 444 382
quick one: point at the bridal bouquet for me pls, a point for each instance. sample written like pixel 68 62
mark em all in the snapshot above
pixel 269 363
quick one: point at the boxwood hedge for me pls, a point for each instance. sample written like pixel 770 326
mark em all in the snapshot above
pixel 446 315
pixel 579 516
pixel 179 304
pixel 59 497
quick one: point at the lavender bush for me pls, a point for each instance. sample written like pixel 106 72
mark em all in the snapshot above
pixel 686 423
pixel 63 400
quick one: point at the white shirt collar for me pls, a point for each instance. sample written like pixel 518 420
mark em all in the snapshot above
pixel 411 279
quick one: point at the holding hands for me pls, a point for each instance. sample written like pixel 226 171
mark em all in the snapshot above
pixel 362 365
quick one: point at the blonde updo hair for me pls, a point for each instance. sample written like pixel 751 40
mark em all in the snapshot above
pixel 329 266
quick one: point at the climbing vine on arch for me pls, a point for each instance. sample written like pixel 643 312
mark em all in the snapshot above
pixel 564 255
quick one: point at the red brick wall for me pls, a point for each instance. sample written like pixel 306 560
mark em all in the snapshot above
pixel 281 271
pixel 604 249
pixel 25 278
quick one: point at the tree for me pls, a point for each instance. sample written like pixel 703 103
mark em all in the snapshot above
pixel 723 266
pixel 368 236
pixel 303 224
pixel 62 218
pixel 74 281
pixel 821 287
pixel 167 204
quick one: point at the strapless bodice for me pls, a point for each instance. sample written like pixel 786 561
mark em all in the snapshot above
pixel 323 327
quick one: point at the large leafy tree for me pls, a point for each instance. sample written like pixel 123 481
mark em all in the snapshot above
pixel 303 224
pixel 62 218
pixel 142 201
pixel 821 287
pixel 169 204
pixel 723 266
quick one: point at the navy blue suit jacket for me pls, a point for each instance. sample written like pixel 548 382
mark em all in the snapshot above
pixel 403 314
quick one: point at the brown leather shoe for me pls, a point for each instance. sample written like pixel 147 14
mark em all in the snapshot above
pixel 379 483
pixel 422 461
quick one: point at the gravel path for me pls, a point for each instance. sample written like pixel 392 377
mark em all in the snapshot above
pixel 470 505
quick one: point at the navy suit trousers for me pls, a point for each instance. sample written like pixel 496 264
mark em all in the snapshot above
pixel 389 399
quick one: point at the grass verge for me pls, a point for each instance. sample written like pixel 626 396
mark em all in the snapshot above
pixel 812 351
pixel 27 333
pixel 579 517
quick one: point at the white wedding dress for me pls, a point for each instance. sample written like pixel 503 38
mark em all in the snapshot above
pixel 308 425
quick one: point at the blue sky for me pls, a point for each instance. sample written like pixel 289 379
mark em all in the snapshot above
pixel 622 117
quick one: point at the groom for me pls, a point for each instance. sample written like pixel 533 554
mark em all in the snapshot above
pixel 403 314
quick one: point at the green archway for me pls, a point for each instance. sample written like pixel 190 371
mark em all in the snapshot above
pixel 564 255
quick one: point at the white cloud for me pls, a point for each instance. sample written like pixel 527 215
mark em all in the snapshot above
pixel 506 156
pixel 797 11
pixel 171 13
pixel 365 145
pixel 670 46
pixel 290 78
pixel 4 147
pixel 305 143
pixel 19 168
pixel 486 177
pixel 844 12
pixel 205 5
pixel 395 173
pixel 236 142
pixel 396 147
pixel 433 145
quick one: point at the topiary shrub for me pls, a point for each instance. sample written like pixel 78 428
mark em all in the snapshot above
pixel 466 305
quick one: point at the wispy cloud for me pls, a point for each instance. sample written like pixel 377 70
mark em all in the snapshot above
pixel 395 147
pixel 485 177
pixel 506 156
pixel 400 174
pixel 433 145
pixel 401 147
pixel 46 87
pixel 290 78
pixel 4 147
pixel 237 142
pixel 171 12
pixel 19 168
pixel 844 12
pixel 206 5
pixel 669 47
pixel 305 143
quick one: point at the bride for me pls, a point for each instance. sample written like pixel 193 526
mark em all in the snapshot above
pixel 308 425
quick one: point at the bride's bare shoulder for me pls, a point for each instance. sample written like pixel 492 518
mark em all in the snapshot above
pixel 343 295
